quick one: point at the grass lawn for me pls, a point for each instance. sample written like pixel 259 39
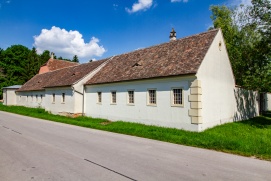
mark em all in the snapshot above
pixel 250 138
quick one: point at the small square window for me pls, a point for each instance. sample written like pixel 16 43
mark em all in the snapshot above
pixel 131 97
pixel 177 96
pixel 152 97
pixel 99 100
pixel 113 97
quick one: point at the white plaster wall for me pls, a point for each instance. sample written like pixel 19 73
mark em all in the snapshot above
pixel 22 99
pixel 9 97
pixel 5 96
pixel 246 104
pixel 268 101
pixel 215 74
pixel 78 102
pixel 58 106
pixel 163 114
pixel 79 89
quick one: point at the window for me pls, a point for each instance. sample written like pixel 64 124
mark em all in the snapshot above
pixel 54 98
pixel 152 97
pixel 63 97
pixel 36 98
pixel 27 98
pixel 177 97
pixel 32 98
pixel 131 98
pixel 113 97
pixel 99 97
pixel 40 98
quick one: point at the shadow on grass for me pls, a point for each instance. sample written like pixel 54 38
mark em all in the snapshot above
pixel 267 114
pixel 259 122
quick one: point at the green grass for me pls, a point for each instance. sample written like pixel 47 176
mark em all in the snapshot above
pixel 250 138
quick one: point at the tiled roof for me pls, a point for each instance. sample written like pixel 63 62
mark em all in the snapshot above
pixel 179 57
pixel 54 64
pixel 62 77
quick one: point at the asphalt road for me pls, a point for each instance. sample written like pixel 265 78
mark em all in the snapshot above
pixel 33 149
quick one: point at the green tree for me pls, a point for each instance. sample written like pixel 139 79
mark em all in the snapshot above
pixel 44 57
pixel 244 39
pixel 12 63
pixel 75 59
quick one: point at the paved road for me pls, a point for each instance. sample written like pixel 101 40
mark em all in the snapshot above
pixel 33 149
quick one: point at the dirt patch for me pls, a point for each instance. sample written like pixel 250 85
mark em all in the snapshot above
pixel 106 123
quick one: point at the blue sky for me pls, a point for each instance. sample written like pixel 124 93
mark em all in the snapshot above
pixel 96 29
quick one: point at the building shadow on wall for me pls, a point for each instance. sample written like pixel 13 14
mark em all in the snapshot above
pixel 247 105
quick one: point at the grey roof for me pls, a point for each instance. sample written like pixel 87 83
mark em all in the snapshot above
pixel 13 87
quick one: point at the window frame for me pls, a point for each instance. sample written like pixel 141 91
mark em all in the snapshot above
pixel 113 98
pixel 63 98
pixel 149 102
pixel 53 98
pixel 99 97
pixel 128 97
pixel 173 104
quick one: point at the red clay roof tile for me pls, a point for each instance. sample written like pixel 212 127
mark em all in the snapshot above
pixel 179 57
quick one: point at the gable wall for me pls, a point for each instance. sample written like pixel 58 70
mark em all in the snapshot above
pixel 31 101
pixel 217 83
pixel 9 97
pixel 162 114
pixel 43 69
pixel 79 89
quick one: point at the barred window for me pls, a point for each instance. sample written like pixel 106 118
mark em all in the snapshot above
pixel 99 97
pixel 113 97
pixel 131 99
pixel 152 96
pixel 177 96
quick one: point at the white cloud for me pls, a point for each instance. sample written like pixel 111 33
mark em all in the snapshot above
pixel 140 5
pixel 173 1
pixel 238 2
pixel 67 44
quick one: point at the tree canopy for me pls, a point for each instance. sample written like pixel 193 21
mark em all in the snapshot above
pixel 247 33
pixel 18 64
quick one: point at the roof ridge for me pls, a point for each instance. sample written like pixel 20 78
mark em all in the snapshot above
pixel 183 38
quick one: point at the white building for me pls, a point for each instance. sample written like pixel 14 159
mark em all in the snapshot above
pixel 267 102
pixel 59 91
pixel 186 83
pixel 9 95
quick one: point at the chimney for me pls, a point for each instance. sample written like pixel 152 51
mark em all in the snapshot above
pixel 52 55
pixel 172 35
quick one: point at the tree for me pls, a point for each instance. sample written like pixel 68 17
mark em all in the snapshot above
pixel 75 59
pixel 246 43
pixel 44 57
